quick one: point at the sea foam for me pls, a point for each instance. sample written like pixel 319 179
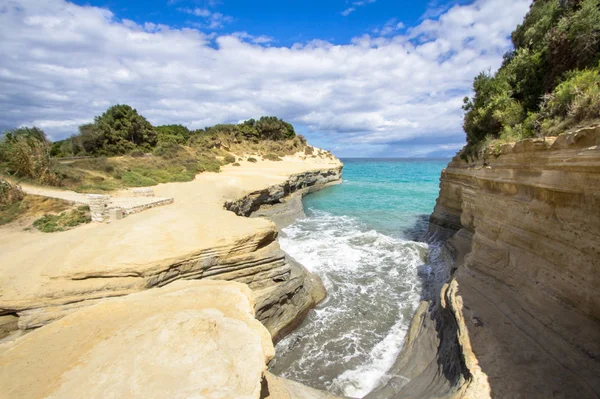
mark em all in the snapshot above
pixel 373 283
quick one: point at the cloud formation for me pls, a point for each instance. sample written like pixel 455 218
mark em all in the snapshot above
pixel 212 20
pixel 355 5
pixel 63 64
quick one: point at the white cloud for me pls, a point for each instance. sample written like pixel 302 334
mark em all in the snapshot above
pixel 390 27
pixel 348 11
pixel 63 64
pixel 213 20
pixel 355 5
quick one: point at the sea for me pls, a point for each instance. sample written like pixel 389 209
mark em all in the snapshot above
pixel 363 238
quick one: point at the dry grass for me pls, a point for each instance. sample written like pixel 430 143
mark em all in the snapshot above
pixel 30 207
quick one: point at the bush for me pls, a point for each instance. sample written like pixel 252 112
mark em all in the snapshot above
pixel 26 153
pixel 167 150
pixel 175 134
pixel 229 159
pixel 578 97
pixel 548 82
pixel 253 160
pixel 10 194
pixel 207 163
pixel 137 153
pixel 63 221
pixel 272 157
pixel 309 150
pixel 134 179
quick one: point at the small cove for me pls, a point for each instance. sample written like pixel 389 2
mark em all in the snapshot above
pixel 361 238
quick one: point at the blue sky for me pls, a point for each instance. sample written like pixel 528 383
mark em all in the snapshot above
pixel 359 77
pixel 287 22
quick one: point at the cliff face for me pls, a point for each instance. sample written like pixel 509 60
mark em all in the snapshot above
pixel 517 311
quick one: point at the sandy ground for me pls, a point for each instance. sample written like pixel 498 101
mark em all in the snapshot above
pixel 34 264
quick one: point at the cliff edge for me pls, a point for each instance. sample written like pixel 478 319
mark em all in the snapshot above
pixel 515 312
pixel 188 339
pixel 44 277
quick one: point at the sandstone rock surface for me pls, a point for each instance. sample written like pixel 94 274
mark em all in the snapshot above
pixel 45 277
pixel 517 313
pixel 189 339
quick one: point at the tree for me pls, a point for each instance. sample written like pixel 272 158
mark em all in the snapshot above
pixel 174 134
pixel 273 128
pixel 547 79
pixel 120 130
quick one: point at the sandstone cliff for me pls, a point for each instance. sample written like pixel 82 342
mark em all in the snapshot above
pixel 45 277
pixel 188 339
pixel 516 312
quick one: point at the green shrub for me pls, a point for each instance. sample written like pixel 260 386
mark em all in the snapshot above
pixel 63 221
pixel 578 97
pixel 309 150
pixel 208 163
pixel 26 153
pixel 236 164
pixel 229 159
pixel 134 179
pixel 167 150
pixel 253 160
pixel 272 157
pixel 547 83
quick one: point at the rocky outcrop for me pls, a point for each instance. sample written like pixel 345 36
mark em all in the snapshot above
pixel 299 184
pixel 193 239
pixel 188 339
pixel 284 306
pixel 192 338
pixel 517 311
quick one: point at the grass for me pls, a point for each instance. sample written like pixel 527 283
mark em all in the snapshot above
pixel 108 174
pixel 31 206
pixel 64 221
pixel 10 213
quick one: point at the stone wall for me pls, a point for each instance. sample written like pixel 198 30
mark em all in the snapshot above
pixel 99 207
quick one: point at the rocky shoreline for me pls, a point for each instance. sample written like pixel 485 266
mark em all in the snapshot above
pixel 92 316
pixel 515 313
pixel 283 307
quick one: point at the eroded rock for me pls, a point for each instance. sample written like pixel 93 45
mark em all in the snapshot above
pixel 188 339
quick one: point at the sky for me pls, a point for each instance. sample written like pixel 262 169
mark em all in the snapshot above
pixel 362 78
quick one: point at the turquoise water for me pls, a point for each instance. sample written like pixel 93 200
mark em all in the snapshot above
pixel 388 195
pixel 361 238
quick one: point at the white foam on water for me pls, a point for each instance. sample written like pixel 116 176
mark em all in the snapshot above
pixel 352 339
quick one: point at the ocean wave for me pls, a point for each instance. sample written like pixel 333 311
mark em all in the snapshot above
pixel 373 283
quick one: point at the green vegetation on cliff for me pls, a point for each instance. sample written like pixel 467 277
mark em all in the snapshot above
pixel 122 149
pixel 549 82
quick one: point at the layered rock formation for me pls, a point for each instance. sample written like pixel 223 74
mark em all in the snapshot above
pixel 517 311
pixel 45 279
pixel 188 339
pixel 283 307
